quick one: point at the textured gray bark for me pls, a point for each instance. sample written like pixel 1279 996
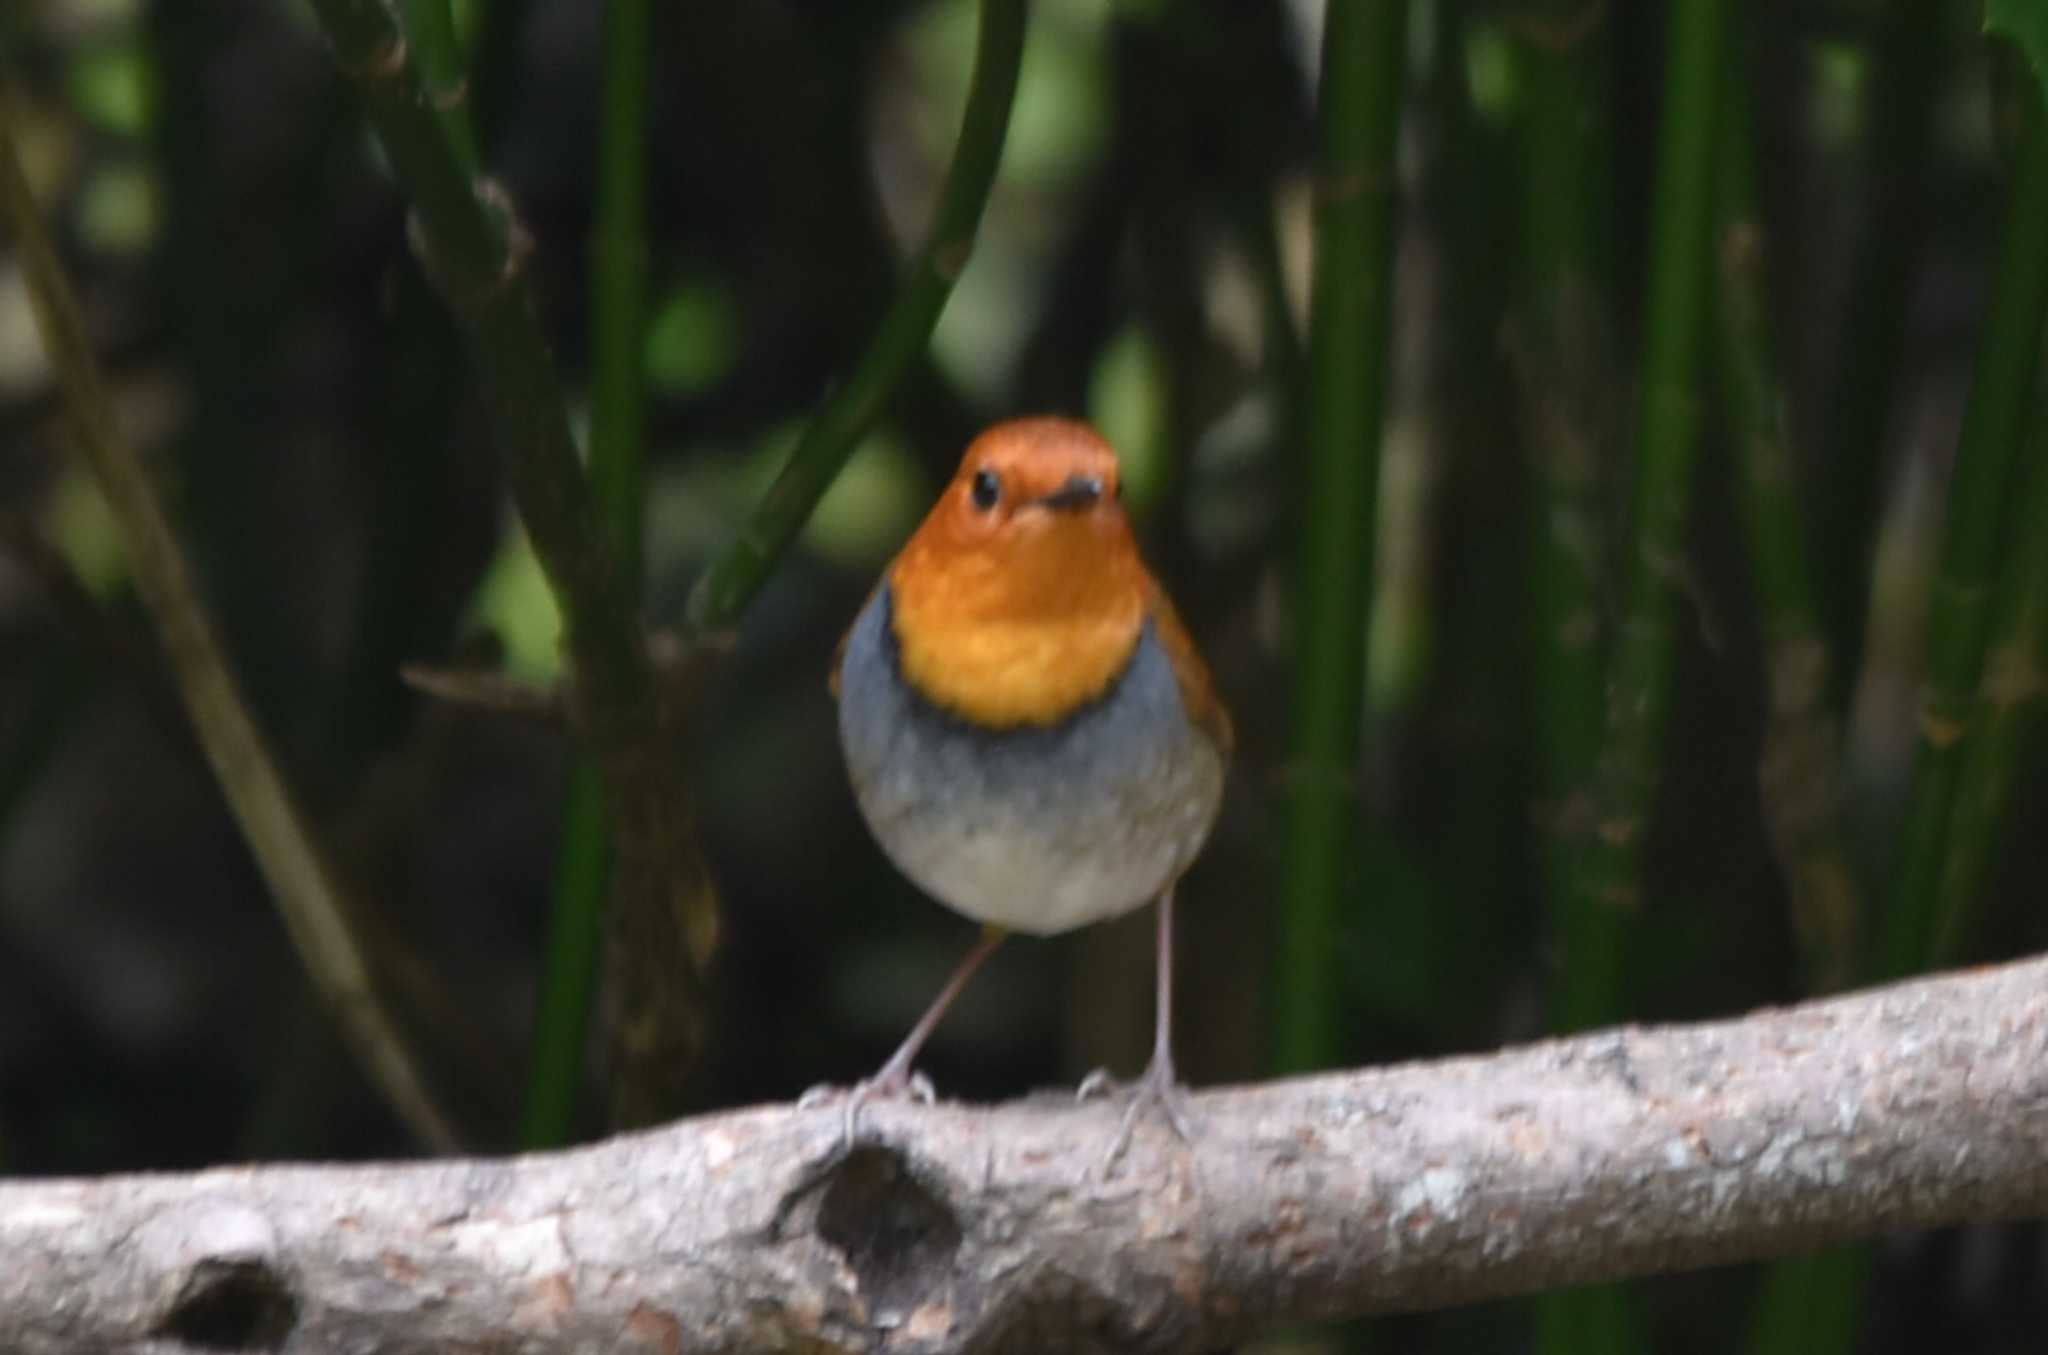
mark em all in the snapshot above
pixel 967 1228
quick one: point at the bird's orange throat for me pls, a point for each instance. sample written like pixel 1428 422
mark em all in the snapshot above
pixel 1021 629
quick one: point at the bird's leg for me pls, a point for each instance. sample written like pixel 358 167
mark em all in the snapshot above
pixel 1158 1086
pixel 895 1077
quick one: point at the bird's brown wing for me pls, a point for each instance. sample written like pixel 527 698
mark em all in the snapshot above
pixel 846 638
pixel 1197 688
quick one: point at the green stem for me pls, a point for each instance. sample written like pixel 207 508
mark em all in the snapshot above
pixel 1905 77
pixel 1564 367
pixel 618 399
pixel 430 30
pixel 287 849
pixel 1800 765
pixel 2008 720
pixel 1972 543
pixel 1362 66
pixel 569 976
pixel 2007 711
pixel 473 251
pixel 618 387
pixel 1561 358
pixel 905 331
pixel 1641 668
pixel 1811 1305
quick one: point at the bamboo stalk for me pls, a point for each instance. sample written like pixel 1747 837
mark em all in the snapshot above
pixel 1358 117
pixel 1806 1304
pixel 569 965
pixel 430 31
pixel 618 402
pixel 1799 770
pixel 1560 354
pixel 1905 76
pixel 2007 724
pixel 1643 662
pixel 1973 542
pixel 2007 710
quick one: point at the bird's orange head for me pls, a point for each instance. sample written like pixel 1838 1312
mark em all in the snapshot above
pixel 1022 597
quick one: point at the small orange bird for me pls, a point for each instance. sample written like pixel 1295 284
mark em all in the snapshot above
pixel 1030 732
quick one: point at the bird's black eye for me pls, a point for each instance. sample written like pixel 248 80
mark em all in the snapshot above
pixel 987 490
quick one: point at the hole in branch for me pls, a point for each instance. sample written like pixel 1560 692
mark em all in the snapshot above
pixel 897 1235
pixel 232 1305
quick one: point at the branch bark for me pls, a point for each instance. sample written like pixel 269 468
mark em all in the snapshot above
pixel 970 1228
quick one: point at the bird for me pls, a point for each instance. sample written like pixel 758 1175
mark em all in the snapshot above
pixel 1031 734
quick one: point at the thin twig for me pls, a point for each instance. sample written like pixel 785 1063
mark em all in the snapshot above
pixel 486 689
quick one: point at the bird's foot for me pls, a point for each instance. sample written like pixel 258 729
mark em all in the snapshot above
pixel 1157 1089
pixel 891 1084
pixel 1101 1082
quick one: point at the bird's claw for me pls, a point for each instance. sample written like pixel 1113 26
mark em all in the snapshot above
pixel 1158 1087
pixel 882 1087
pixel 1098 1083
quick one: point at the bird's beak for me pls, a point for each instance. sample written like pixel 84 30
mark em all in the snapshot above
pixel 1079 493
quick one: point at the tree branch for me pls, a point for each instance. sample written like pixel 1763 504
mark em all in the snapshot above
pixel 969 1228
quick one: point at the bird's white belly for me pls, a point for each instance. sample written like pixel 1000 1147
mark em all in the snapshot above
pixel 1036 830
pixel 1039 865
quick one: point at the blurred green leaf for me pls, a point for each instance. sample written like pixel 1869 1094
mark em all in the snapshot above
pixel 871 506
pixel 693 339
pixel 1062 117
pixel 469 17
pixel 694 500
pixel 117 210
pixel 2025 22
pixel 82 528
pixel 1838 91
pixel 114 86
pixel 514 603
pixel 1128 402
pixel 1490 72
